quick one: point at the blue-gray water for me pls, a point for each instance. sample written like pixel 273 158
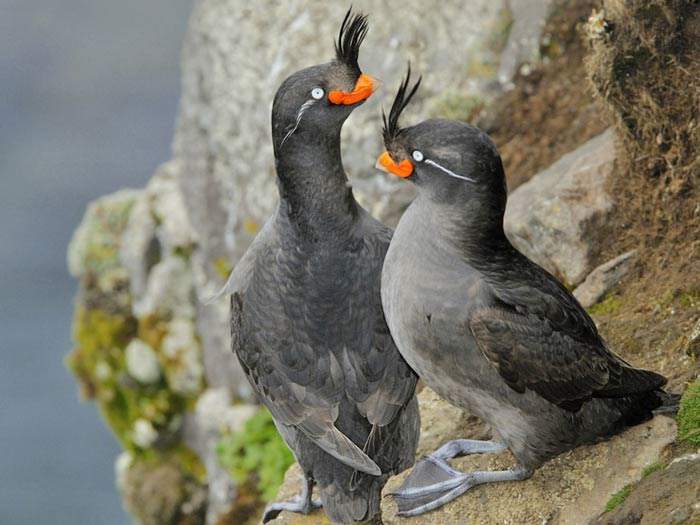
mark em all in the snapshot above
pixel 88 97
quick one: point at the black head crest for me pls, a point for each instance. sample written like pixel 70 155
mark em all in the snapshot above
pixel 352 32
pixel 403 97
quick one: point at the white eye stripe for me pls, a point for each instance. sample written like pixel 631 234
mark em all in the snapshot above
pixel 448 172
pixel 317 93
pixel 417 156
pixel 306 105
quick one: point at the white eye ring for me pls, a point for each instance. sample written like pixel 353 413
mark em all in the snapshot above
pixel 317 93
pixel 417 156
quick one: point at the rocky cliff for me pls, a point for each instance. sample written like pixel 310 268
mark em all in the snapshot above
pixel 155 357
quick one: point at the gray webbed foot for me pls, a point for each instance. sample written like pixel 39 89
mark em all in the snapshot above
pixel 433 482
pixel 302 504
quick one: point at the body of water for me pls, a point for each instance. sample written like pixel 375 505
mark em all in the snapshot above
pixel 88 99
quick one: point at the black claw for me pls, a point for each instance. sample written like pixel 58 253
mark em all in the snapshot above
pixel 270 514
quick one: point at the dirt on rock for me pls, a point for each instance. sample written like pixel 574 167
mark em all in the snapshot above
pixel 571 489
pixel 669 495
pixel 644 67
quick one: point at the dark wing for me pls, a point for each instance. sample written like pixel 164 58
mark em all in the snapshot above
pixel 540 338
pixel 299 388
pixel 380 382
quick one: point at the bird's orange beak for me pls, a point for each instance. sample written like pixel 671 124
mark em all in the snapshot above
pixel 364 87
pixel 402 169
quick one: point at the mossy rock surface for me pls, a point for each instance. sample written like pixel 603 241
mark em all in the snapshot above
pixel 258 453
pixel 689 415
pixel 165 480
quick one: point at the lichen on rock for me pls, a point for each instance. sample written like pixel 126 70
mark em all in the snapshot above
pixel 142 365
pixel 142 362
pixel 158 492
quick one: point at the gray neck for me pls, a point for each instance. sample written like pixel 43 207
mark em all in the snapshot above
pixel 472 230
pixel 315 195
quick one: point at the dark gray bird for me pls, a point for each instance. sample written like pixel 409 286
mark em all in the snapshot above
pixel 485 327
pixel 306 317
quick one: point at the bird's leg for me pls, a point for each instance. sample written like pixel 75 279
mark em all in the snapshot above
pixel 433 482
pixel 463 447
pixel 302 504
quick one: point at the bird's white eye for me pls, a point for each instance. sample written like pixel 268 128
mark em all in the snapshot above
pixel 317 93
pixel 417 156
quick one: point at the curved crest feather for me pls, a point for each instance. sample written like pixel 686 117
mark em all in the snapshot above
pixel 391 127
pixel 352 32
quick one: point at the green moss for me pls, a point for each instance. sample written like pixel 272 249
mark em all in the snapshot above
pixel 651 468
pixel 99 363
pixel 498 36
pixel 621 495
pixel 189 462
pixel 689 415
pixel 184 251
pixel 257 450
pixel 480 68
pixel 105 220
pixel 457 106
pixel 618 498
pixel 222 267
pixel 98 337
pixel 180 455
pixel 689 298
pixel 608 306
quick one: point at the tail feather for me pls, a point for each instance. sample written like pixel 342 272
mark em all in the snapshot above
pixel 645 405
pixel 347 506
pixel 632 381
pixel 669 403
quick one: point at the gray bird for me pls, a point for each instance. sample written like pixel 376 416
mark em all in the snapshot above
pixel 485 327
pixel 306 317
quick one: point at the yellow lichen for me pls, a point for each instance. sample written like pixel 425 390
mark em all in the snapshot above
pixel 152 330
pixel 97 334
pixel 608 306
pixel 251 227
pixel 222 267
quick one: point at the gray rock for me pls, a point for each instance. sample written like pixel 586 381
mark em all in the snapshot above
pixel 213 416
pixel 601 280
pixel 237 53
pixel 552 217
pixel 668 495
pixel 692 344
pixel 523 45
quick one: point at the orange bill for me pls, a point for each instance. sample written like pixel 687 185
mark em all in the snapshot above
pixel 364 87
pixel 402 169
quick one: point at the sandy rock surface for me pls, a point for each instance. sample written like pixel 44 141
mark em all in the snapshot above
pixel 569 490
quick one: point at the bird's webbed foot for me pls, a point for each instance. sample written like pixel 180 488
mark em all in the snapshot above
pixel 433 482
pixel 302 504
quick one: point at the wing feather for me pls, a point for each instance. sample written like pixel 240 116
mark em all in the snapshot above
pixel 299 404
pixel 540 338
